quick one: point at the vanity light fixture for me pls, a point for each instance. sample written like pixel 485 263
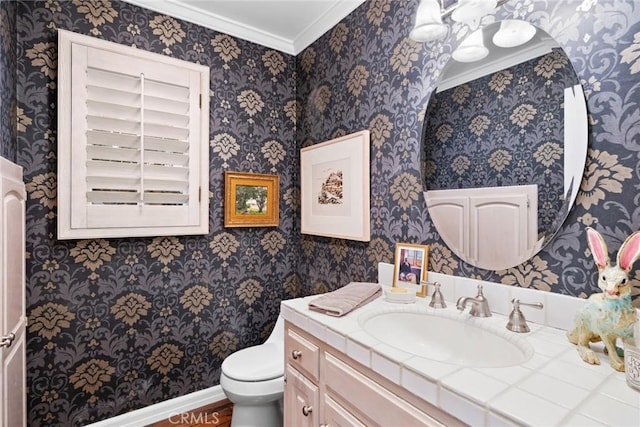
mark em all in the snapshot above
pixel 470 11
pixel 472 49
pixel 513 33
pixel 428 24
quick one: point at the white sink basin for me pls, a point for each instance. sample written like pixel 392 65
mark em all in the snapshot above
pixel 452 339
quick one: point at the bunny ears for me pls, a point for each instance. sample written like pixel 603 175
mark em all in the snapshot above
pixel 628 253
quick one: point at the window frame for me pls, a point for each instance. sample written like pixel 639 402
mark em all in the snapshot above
pixel 76 219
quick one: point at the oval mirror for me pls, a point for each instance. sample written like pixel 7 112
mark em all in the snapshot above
pixel 504 145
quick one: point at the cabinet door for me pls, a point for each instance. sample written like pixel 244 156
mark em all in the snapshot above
pixel 301 400
pixel 501 228
pixel 12 297
pixel 492 227
pixel 13 407
pixel 335 415
pixel 375 404
pixel 449 212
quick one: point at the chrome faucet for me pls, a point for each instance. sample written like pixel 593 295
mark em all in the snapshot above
pixel 479 304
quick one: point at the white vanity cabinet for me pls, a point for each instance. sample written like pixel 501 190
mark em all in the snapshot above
pixel 301 392
pixel 301 400
pixel 324 387
pixel 472 220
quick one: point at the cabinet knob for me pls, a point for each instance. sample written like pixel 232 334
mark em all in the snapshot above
pixel 296 354
pixel 306 410
pixel 7 340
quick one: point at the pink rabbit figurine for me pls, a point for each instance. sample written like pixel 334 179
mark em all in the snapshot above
pixel 609 315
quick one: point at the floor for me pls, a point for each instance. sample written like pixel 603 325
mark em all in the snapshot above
pixel 217 414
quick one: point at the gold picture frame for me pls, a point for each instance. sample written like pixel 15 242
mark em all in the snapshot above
pixel 410 267
pixel 251 199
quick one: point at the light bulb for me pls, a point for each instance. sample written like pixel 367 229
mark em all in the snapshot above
pixel 513 33
pixel 428 25
pixel 472 49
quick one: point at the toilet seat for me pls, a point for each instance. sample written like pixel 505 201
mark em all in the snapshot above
pixel 252 391
pixel 257 363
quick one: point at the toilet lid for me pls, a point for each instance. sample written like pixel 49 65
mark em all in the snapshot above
pixel 257 363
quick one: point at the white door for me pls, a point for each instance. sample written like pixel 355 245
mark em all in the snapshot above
pixel 13 396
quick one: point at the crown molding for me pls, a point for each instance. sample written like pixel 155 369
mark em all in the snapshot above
pixel 324 23
pixel 311 33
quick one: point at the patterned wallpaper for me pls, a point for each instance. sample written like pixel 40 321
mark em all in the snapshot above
pixel 8 61
pixel 119 324
pixel 506 128
pixel 367 73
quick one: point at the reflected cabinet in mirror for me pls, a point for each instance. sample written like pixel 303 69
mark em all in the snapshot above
pixel 504 148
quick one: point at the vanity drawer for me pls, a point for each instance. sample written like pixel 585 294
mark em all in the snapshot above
pixel 302 354
pixel 384 408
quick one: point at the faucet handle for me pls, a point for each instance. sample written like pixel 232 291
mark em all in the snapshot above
pixel 480 292
pixel 437 300
pixel 517 322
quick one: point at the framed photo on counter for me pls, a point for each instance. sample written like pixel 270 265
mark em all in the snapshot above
pixel 410 267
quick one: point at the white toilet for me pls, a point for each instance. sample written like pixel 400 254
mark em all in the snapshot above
pixel 253 380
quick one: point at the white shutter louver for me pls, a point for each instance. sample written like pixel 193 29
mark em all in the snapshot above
pixel 137 142
pixel 136 146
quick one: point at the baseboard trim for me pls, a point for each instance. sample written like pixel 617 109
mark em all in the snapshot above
pixel 164 410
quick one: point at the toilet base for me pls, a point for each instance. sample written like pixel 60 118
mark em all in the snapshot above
pixel 257 415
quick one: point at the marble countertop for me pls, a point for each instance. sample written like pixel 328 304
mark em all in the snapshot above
pixel 552 388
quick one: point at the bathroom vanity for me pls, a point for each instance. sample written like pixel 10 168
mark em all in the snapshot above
pixel 326 387
pixel 338 373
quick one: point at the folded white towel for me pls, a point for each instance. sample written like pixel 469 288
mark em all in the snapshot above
pixel 348 298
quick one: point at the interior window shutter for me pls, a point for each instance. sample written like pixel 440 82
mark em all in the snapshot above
pixel 133 155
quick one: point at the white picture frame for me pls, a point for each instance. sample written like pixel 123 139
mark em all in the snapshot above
pixel 335 187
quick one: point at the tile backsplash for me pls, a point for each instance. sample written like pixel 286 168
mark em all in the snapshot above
pixel 558 310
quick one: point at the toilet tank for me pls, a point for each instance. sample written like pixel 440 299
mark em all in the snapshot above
pixel 278 331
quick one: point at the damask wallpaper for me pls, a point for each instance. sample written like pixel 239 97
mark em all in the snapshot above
pixel 119 324
pixel 506 128
pixel 367 73
pixel 8 63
